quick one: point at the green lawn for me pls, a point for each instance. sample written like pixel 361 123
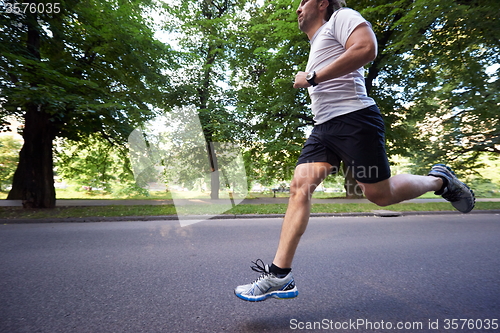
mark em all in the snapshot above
pixel 149 210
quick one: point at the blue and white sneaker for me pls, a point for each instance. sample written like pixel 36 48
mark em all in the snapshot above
pixel 267 285
pixel 456 192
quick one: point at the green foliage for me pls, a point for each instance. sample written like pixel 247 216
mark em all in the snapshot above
pixel 205 32
pixel 436 62
pixel 93 67
pixel 99 69
pixel 268 52
pixel 9 157
pixel 95 164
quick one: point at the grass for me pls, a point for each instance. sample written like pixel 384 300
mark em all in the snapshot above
pixel 149 210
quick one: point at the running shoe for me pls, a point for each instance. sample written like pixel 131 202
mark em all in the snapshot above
pixel 456 192
pixel 267 285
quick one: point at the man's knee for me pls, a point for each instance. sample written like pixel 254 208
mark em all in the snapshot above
pixel 378 193
pixel 306 178
pixel 379 200
pixel 302 190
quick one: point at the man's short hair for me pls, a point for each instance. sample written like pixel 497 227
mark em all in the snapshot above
pixel 333 5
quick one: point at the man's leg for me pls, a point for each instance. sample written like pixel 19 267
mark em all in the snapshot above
pixel 277 281
pixel 441 179
pixel 306 178
pixel 400 188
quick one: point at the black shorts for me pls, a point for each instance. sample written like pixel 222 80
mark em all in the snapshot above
pixel 357 138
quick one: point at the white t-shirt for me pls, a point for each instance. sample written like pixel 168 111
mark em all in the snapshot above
pixel 347 93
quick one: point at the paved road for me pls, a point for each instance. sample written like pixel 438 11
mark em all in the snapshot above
pixel 155 276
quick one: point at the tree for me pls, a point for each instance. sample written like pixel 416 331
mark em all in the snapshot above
pixel 84 67
pixel 268 51
pixel 205 30
pixel 431 78
pixel 458 111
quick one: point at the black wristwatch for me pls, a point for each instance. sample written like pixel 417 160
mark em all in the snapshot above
pixel 310 78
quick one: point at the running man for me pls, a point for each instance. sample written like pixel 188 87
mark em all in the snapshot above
pixel 348 127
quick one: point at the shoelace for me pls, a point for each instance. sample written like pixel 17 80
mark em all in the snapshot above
pixel 260 267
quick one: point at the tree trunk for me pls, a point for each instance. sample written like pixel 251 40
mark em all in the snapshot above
pixel 214 175
pixel 34 178
pixel 210 10
pixel 204 95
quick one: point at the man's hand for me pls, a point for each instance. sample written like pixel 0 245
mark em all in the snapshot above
pixel 300 80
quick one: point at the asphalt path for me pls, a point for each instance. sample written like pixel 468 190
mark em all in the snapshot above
pixel 354 274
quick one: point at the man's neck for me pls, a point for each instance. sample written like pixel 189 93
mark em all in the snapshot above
pixel 311 32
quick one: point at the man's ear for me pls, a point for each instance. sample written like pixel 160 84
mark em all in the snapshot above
pixel 324 4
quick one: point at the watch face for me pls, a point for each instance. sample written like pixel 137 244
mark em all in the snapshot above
pixel 309 76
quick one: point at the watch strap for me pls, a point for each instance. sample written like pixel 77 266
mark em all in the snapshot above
pixel 311 79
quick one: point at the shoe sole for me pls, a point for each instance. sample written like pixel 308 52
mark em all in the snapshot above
pixel 276 294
